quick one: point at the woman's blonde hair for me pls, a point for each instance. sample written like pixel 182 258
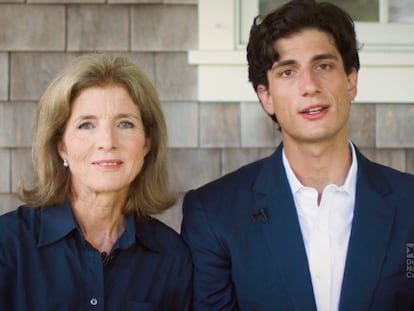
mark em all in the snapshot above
pixel 148 193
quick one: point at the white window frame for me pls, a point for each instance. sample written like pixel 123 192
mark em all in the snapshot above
pixel 387 57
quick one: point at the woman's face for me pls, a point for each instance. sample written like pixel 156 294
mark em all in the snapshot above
pixel 104 141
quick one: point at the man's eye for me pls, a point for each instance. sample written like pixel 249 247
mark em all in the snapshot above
pixel 126 124
pixel 85 126
pixel 324 67
pixel 286 73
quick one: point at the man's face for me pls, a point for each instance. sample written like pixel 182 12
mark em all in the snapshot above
pixel 309 91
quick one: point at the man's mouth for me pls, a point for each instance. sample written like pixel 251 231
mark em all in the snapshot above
pixel 314 110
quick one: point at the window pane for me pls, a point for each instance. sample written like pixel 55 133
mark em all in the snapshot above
pixel 266 6
pixel 360 10
pixel 401 11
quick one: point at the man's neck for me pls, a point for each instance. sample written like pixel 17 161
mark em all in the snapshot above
pixel 318 165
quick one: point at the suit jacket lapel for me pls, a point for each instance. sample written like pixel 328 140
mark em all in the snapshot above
pixel 282 231
pixel 371 230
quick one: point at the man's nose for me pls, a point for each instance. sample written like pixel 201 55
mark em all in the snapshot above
pixel 309 82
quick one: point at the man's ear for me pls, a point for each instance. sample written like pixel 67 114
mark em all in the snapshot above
pixel 265 99
pixel 352 80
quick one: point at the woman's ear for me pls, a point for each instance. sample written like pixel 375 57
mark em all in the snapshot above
pixel 61 149
pixel 147 145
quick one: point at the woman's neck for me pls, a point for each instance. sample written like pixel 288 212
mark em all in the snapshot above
pixel 101 220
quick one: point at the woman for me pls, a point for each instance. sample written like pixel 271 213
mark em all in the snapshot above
pixel 87 242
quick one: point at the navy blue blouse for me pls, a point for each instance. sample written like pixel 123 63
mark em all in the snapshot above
pixel 46 264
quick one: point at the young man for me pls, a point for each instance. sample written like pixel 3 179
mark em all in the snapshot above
pixel 315 226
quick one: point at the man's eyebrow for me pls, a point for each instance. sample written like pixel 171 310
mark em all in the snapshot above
pixel 289 62
pixel 324 56
pixel 282 63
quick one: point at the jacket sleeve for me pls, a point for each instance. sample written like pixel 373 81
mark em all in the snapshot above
pixel 213 288
pixel 4 274
pixel 181 299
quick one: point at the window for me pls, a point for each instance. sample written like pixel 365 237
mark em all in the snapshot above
pixel 376 21
pixel 389 11
pixel 384 27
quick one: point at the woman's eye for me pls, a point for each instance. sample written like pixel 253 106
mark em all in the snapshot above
pixel 85 126
pixel 126 124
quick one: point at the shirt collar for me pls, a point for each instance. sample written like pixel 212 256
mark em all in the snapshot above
pixel 138 230
pixel 55 223
pixel 58 221
pixel 348 186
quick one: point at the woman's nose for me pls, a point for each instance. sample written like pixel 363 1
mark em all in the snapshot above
pixel 106 138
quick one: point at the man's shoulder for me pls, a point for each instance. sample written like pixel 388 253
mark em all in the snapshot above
pixel 400 180
pixel 381 174
pixel 233 191
pixel 244 176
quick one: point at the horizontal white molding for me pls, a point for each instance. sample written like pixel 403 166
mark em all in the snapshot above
pixel 377 57
pixel 378 34
pixel 380 84
pixel 383 78
pixel 391 58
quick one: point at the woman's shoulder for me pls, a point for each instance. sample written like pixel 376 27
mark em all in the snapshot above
pixel 18 229
pixel 168 240
pixel 21 218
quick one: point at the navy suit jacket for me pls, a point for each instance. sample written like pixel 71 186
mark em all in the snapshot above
pixel 248 251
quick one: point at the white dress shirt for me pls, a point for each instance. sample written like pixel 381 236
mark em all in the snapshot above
pixel 325 229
